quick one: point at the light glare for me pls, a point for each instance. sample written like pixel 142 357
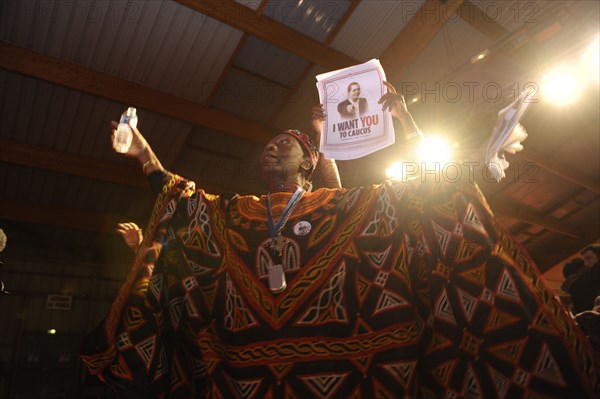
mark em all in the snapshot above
pixel 561 86
pixel 435 150
pixel 402 171
pixel 591 59
pixel 394 171
pixel 52 331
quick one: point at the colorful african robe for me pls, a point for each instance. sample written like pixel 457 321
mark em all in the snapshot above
pixel 400 290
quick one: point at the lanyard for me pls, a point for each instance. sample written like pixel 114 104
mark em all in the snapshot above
pixel 275 228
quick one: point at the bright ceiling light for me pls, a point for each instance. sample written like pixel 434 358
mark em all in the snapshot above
pixel 561 86
pixel 480 56
pixel 434 150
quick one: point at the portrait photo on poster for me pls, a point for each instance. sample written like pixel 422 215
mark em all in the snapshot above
pixel 355 124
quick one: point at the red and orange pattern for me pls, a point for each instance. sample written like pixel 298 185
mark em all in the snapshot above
pixel 398 290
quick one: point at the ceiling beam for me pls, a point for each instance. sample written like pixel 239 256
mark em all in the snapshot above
pixel 54 70
pixel 267 29
pixel 481 21
pixel 257 76
pixel 216 87
pixel 71 164
pixel 54 216
pixel 332 35
pixel 562 249
pixel 416 36
pixel 78 165
pixel 64 162
pixel 513 210
pixel 561 171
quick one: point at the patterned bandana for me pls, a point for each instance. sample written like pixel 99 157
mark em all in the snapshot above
pixel 307 144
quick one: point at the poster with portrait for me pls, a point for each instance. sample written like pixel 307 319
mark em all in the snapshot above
pixel 355 124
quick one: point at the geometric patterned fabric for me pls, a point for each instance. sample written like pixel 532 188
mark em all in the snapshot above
pixel 399 290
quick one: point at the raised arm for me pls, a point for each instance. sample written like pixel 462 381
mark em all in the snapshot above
pixel 395 103
pixel 141 150
pixel 326 168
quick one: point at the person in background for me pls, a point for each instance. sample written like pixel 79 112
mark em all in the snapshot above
pixel 585 286
pixel 591 254
pixel 3 241
pixel 571 271
pixel 589 321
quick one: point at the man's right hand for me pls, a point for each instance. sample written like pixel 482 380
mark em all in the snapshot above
pixel 317 118
pixel 138 142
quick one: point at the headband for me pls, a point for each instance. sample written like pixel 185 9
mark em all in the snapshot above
pixel 307 144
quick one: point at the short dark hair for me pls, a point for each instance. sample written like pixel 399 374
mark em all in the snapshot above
pixel 352 84
pixel 573 266
pixel 595 248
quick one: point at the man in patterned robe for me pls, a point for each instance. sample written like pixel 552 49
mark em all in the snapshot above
pixel 399 290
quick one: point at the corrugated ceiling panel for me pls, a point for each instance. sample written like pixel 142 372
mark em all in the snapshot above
pixel 578 151
pixel 213 172
pixel 159 44
pixel 31 185
pixel 364 41
pixel 253 4
pixel 76 122
pixel 516 13
pixel 587 12
pixel 305 97
pixel 313 18
pixel 11 92
pixel 581 216
pixel 248 96
pixel 166 135
pixel 447 51
pixel 530 187
pixel 126 49
pixel 25 105
pixel 9 179
pixel 216 142
pixel 271 62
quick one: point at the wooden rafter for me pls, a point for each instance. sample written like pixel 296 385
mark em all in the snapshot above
pixel 267 29
pixel 129 175
pixel 481 21
pixel 232 57
pixel 54 70
pixel 71 164
pixel 416 35
pixel 565 248
pixel 79 165
pixel 517 211
pixel 304 75
pixel 50 215
pixel 561 171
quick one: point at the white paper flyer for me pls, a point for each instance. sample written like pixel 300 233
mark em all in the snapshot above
pixel 355 124
pixel 507 135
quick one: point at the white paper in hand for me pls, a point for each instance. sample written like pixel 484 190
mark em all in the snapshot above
pixel 507 134
pixel 355 125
